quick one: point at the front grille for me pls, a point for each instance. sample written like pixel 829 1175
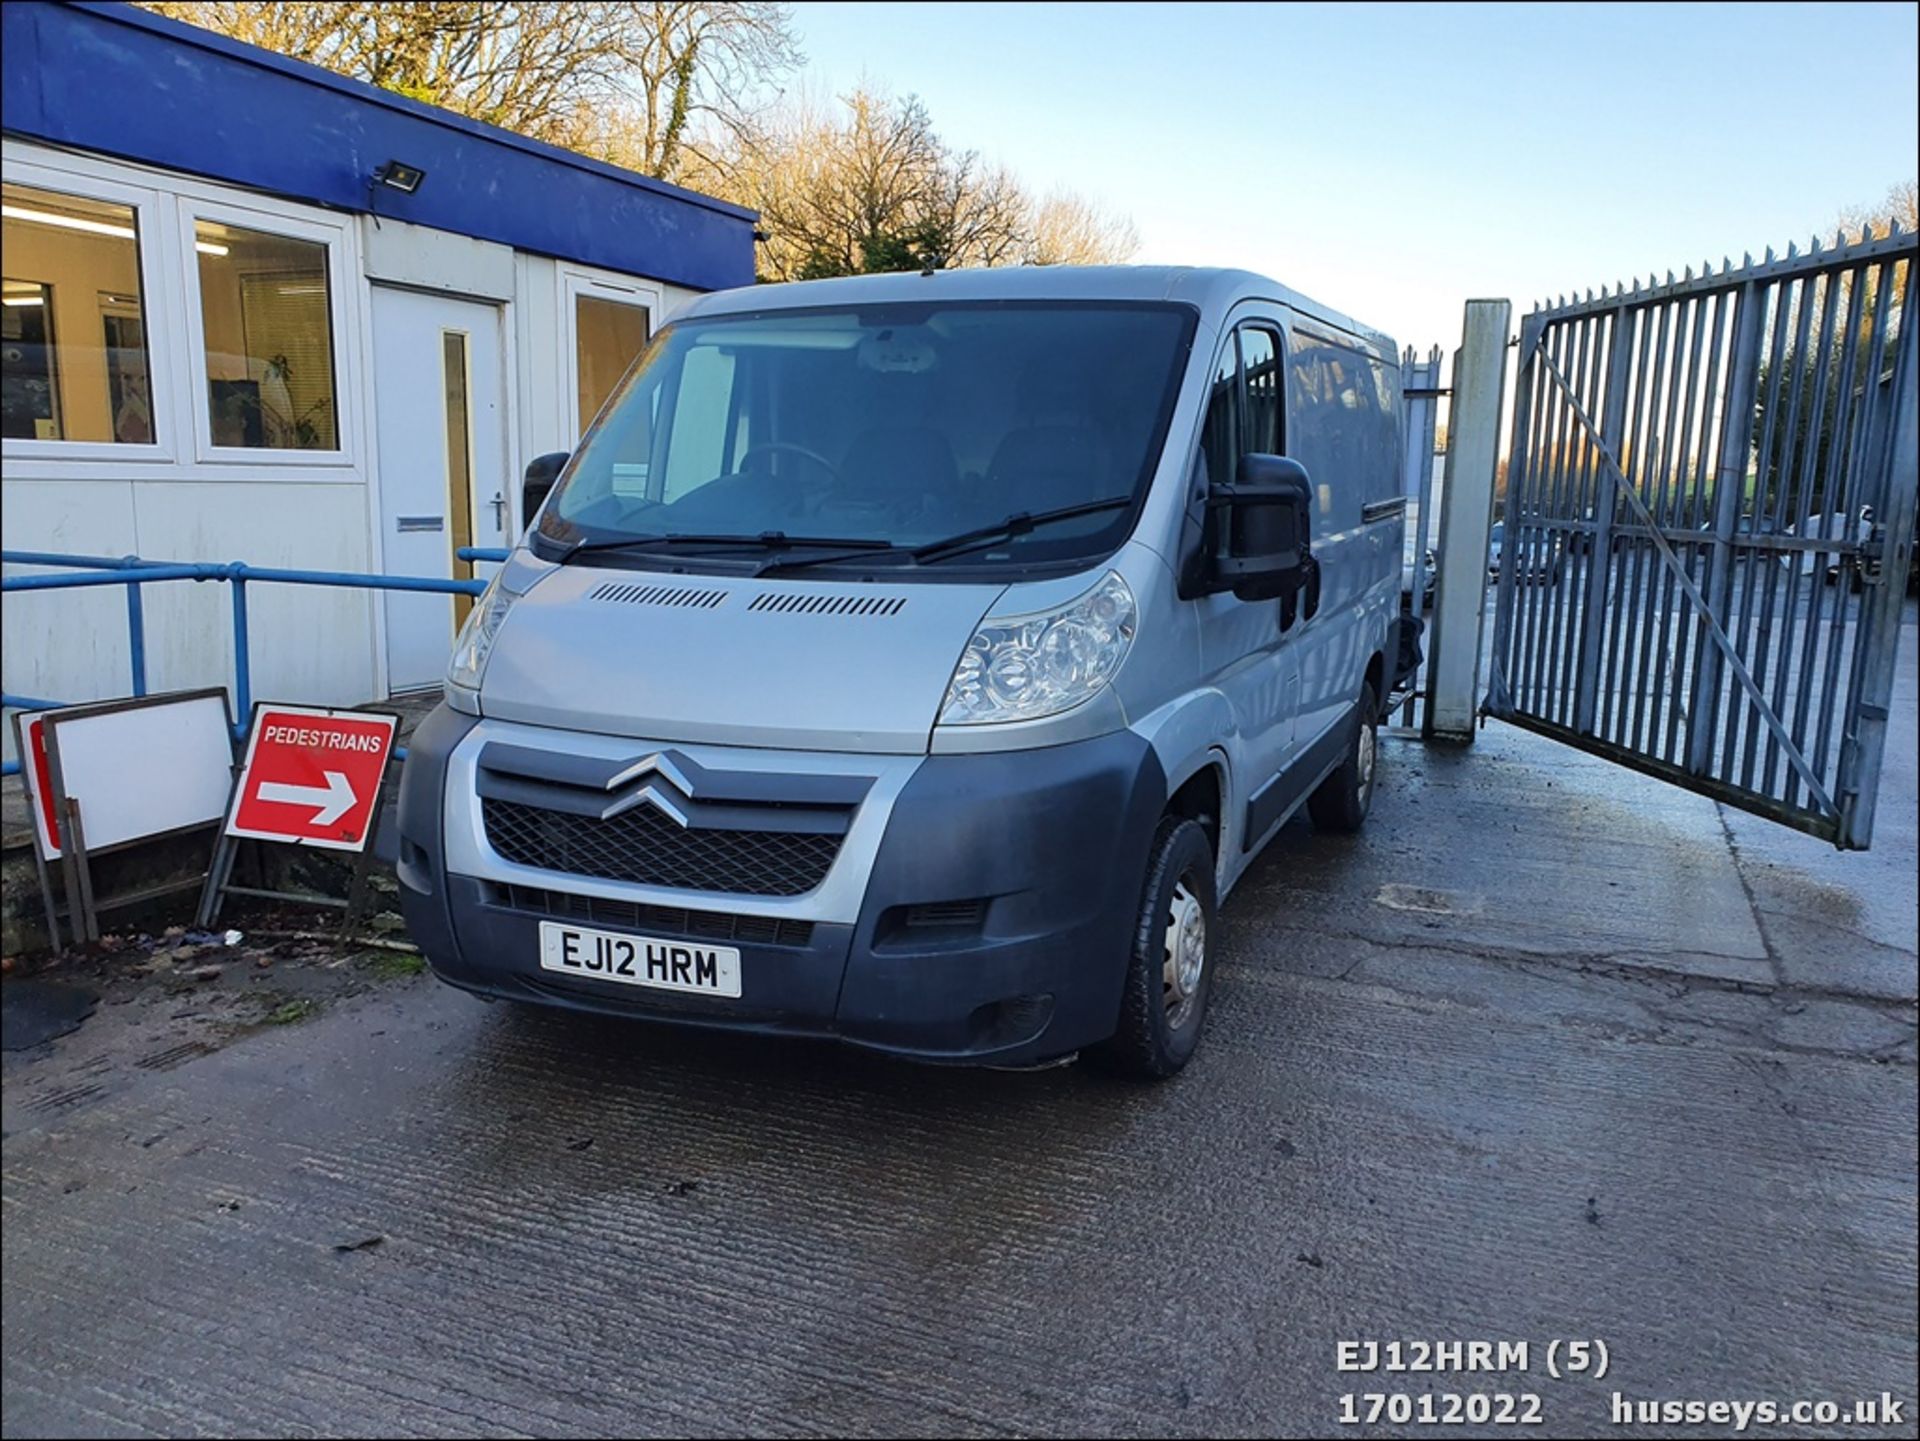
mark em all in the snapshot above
pixel 654 920
pixel 644 846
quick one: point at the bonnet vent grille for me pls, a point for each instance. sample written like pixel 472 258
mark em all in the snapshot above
pixel 796 603
pixel 657 595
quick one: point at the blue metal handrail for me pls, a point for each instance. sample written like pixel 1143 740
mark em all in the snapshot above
pixel 134 572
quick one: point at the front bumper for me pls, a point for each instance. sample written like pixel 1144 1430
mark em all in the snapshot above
pixel 992 923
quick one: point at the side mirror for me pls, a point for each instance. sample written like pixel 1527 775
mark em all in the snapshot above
pixel 1263 542
pixel 542 471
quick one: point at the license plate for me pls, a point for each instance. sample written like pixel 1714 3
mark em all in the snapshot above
pixel 639 960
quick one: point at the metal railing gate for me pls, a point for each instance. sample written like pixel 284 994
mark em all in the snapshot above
pixel 1709 519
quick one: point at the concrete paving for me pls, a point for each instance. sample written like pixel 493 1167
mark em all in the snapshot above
pixel 1549 1052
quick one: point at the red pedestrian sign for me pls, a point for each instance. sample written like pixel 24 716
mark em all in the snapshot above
pixel 312 777
pixel 38 779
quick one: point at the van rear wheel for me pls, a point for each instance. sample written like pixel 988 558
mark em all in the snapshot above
pixel 1169 966
pixel 1341 802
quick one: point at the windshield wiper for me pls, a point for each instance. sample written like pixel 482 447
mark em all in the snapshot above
pixel 765 540
pixel 1012 526
pixel 841 548
pixel 856 550
pixel 952 545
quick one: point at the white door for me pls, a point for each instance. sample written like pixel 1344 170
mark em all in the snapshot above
pixel 440 424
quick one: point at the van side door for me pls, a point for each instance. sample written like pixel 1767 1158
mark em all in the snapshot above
pixel 1244 645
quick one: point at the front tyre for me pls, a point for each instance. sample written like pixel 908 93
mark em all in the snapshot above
pixel 1169 967
pixel 1341 802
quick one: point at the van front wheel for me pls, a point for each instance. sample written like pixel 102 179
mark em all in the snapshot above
pixel 1341 802
pixel 1169 966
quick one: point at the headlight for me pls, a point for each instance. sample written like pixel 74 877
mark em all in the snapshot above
pixel 475 641
pixel 1028 666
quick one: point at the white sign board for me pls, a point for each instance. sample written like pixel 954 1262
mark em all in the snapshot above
pixel 143 767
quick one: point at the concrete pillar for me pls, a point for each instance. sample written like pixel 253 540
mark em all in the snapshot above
pixel 1466 519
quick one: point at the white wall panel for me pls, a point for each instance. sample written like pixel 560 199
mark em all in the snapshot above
pixel 672 297
pixel 309 643
pixel 401 253
pixel 544 424
pixel 70 644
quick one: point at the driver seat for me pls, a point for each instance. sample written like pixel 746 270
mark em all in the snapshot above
pixel 1045 466
pixel 889 465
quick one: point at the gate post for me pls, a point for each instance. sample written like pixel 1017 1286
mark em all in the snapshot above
pixel 1420 391
pixel 1593 607
pixel 1858 780
pixel 1466 518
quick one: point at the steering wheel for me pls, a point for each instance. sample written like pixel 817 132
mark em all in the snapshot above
pixel 786 447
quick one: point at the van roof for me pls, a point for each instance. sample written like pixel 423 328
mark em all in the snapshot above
pixel 1211 291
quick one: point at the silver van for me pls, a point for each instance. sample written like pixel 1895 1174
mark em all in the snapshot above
pixel 918 660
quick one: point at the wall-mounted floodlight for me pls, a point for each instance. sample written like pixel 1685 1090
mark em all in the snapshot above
pixel 398 175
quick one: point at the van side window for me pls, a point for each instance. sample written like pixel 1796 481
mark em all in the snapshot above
pixel 1260 365
pixel 1387 479
pixel 1346 426
pixel 1219 438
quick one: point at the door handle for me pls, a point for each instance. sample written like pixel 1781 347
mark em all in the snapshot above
pixel 499 504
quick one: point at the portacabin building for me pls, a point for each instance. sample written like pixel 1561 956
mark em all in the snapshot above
pixel 255 310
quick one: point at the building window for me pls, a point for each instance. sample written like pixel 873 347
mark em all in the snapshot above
pixel 269 335
pixel 607 338
pixel 73 335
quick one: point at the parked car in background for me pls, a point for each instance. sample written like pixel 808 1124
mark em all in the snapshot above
pixel 1835 527
pixel 1409 553
pixel 1539 561
pixel 1747 528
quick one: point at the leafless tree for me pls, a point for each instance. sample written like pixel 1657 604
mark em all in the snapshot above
pixel 1068 229
pixel 865 183
pixel 702 75
pixel 1901 207
pixel 630 81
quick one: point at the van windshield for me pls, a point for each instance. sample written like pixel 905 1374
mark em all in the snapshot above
pixel 886 427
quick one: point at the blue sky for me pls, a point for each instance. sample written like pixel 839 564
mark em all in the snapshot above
pixel 1393 160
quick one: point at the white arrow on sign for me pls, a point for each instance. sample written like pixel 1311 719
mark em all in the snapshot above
pixel 335 798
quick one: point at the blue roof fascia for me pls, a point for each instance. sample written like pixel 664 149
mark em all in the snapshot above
pixel 121 81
